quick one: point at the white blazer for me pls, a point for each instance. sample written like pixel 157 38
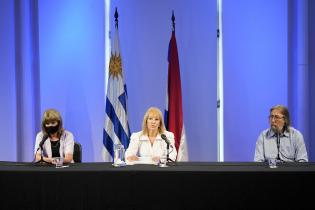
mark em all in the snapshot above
pixel 66 144
pixel 140 146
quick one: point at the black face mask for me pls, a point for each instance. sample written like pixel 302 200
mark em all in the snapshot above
pixel 52 129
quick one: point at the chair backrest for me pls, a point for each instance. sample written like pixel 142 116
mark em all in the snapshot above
pixel 77 152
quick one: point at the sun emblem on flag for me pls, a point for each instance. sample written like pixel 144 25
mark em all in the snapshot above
pixel 115 67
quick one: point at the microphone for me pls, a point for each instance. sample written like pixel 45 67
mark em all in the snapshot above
pixel 163 136
pixel 168 144
pixel 45 137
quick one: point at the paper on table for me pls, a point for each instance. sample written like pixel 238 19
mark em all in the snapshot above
pixel 142 160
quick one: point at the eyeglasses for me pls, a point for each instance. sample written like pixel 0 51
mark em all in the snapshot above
pixel 276 117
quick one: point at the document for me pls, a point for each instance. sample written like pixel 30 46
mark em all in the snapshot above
pixel 142 160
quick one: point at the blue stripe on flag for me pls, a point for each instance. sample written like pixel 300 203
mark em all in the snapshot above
pixel 166 118
pixel 125 89
pixel 118 128
pixel 108 143
pixel 123 100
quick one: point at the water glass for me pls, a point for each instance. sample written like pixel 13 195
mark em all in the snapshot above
pixel 272 162
pixel 57 161
pixel 119 155
pixel 163 161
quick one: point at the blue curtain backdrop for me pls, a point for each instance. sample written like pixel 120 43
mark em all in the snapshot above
pixel 255 53
pixel 311 59
pixel 52 56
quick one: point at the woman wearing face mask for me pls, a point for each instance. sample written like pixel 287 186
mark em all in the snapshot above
pixel 53 140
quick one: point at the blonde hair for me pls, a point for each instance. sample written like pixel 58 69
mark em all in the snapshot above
pixel 154 111
pixel 51 115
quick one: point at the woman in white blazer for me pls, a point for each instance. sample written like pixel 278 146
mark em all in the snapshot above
pixel 53 139
pixel 148 142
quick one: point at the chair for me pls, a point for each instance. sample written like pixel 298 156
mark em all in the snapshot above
pixel 77 152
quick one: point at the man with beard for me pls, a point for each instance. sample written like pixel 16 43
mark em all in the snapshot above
pixel 281 141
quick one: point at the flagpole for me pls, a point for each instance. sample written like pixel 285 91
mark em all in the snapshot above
pixel 173 21
pixel 107 42
pixel 116 18
pixel 220 104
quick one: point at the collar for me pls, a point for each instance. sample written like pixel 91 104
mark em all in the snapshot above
pixel 271 133
pixel 146 137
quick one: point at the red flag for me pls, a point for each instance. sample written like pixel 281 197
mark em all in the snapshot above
pixel 174 111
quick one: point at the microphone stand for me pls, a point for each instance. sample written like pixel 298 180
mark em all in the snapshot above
pixel 168 159
pixel 41 161
pixel 278 146
pixel 42 157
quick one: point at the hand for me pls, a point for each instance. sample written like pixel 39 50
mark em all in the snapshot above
pixel 132 158
pixel 156 159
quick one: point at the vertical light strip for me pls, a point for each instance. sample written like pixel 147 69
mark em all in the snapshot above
pixel 220 101
pixel 107 41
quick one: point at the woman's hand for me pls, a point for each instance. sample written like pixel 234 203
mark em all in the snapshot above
pixel 132 158
pixel 46 159
pixel 156 159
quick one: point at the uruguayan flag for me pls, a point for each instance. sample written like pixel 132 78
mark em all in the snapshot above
pixel 116 128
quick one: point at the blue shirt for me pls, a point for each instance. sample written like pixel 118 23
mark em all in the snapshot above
pixel 292 146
